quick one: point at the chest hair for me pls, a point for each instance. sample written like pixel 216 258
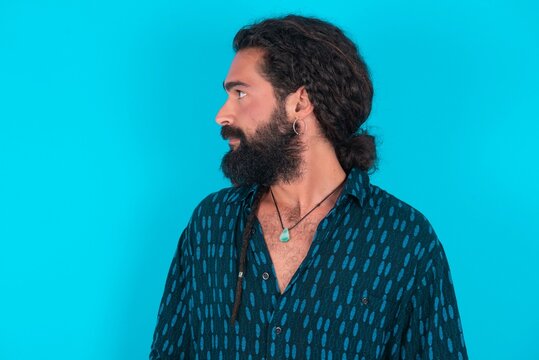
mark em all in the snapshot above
pixel 287 256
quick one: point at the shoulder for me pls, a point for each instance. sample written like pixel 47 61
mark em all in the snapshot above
pixel 410 231
pixel 400 214
pixel 407 226
pixel 211 211
pixel 220 201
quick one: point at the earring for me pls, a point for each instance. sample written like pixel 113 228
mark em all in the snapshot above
pixel 294 126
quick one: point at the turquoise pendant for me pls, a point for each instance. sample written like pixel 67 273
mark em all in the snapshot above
pixel 285 235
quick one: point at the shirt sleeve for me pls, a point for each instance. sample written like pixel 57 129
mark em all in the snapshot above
pixel 434 329
pixel 171 337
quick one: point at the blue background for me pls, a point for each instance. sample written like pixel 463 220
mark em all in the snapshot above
pixel 108 141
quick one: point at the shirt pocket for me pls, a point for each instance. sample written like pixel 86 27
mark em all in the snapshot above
pixel 359 326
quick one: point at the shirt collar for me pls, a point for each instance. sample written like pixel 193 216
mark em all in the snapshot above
pixel 240 193
pixel 357 186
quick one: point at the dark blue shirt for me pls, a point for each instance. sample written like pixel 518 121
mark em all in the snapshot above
pixel 375 284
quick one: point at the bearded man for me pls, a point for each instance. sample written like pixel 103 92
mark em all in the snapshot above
pixel 304 258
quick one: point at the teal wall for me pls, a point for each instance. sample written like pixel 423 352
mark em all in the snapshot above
pixel 108 141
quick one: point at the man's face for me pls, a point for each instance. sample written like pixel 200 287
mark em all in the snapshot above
pixel 250 97
pixel 263 146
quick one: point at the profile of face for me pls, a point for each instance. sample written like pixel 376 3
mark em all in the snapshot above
pixel 264 148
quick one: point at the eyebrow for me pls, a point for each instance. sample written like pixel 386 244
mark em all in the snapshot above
pixel 231 84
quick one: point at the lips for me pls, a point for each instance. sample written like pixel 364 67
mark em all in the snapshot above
pixel 233 144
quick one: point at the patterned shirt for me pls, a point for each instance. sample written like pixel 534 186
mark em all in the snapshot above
pixel 375 284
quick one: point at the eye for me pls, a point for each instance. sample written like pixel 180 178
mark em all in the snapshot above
pixel 240 94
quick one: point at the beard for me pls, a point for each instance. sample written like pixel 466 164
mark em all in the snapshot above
pixel 272 154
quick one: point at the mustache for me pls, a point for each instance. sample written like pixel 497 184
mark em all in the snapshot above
pixel 228 131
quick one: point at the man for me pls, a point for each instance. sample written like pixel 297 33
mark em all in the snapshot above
pixel 303 257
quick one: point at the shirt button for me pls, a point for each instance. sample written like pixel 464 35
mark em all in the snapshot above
pixel 265 276
pixel 277 330
pixel 365 301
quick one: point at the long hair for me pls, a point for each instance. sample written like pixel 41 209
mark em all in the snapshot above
pixel 246 236
pixel 306 51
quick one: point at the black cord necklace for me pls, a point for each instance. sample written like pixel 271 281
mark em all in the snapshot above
pixel 285 234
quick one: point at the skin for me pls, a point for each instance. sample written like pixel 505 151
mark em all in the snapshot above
pixel 250 103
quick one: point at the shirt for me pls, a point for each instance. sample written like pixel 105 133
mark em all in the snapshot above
pixel 375 284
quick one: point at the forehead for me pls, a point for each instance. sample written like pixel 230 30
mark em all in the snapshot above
pixel 245 67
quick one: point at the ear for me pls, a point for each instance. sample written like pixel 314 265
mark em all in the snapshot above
pixel 298 104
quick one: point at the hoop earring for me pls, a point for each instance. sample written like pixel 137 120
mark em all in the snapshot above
pixel 294 126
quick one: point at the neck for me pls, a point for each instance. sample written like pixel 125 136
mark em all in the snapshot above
pixel 321 173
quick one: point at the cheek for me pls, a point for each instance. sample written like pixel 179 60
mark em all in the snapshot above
pixel 256 114
pixel 247 122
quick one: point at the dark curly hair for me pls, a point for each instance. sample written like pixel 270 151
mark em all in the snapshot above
pixel 306 51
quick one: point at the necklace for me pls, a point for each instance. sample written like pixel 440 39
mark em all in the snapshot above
pixel 285 234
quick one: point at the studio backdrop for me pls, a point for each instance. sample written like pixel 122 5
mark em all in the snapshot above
pixel 108 141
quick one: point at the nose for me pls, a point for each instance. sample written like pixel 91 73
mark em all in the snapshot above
pixel 225 116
